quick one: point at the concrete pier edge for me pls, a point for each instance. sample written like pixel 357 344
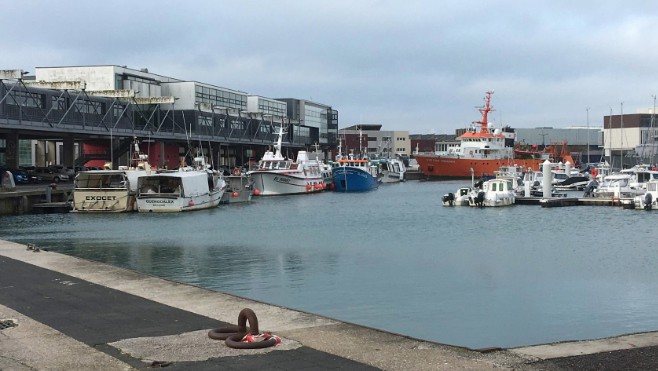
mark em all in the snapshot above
pixel 372 347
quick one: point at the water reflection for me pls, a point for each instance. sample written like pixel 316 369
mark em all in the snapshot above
pixel 394 259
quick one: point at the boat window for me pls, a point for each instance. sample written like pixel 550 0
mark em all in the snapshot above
pixel 171 185
pixel 493 186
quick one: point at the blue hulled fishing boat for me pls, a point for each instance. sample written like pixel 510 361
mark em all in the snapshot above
pixel 354 175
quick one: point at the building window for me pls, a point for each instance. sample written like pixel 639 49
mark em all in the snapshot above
pixel 204 121
pixel 59 103
pixel 237 124
pixel 25 99
pixel 118 110
pixel 89 107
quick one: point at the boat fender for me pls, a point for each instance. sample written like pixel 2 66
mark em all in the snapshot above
pixel 252 341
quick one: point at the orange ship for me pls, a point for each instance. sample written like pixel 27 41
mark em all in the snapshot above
pixel 481 150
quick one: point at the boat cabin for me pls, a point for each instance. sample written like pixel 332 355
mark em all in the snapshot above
pixel 276 165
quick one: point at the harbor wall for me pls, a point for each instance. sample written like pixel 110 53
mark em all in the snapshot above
pixel 22 202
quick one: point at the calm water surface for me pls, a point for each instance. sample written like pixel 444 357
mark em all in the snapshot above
pixel 395 259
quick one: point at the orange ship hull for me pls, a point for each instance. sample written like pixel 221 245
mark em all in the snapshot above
pixel 450 167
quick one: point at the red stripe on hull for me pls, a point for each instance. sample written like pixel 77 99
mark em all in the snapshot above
pixel 448 167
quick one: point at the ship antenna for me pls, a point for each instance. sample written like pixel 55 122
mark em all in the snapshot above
pixel 485 113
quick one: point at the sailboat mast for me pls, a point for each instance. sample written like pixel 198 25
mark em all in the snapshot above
pixel 609 138
pixel 621 134
pixel 587 109
pixel 652 133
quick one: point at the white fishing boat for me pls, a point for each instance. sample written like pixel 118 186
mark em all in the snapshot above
pixel 494 192
pixel 239 188
pixel 104 191
pixel 276 175
pixel 189 188
pixel 327 175
pixel 391 170
pixel 110 190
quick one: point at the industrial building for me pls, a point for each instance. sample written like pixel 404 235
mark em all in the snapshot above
pixel 370 140
pixel 76 114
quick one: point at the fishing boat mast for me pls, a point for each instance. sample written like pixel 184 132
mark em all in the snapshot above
pixel 277 146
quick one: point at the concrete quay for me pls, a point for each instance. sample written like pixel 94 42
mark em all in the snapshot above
pixel 64 313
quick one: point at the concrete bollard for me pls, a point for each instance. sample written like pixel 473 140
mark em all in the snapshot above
pixel 526 188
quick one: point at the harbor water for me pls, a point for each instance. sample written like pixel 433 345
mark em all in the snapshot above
pixel 394 259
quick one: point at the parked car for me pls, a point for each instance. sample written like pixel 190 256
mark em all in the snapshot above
pixel 65 170
pixel 50 174
pixel 20 176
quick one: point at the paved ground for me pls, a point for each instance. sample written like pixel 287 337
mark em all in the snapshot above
pixel 63 313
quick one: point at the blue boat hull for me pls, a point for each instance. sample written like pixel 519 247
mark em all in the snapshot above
pixel 347 179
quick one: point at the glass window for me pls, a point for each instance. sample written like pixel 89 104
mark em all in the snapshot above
pixel 59 103
pixel 25 99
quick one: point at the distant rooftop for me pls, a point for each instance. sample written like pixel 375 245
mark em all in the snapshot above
pixel 370 127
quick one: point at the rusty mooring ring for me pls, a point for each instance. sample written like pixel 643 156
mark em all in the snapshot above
pixel 241 329
pixel 222 333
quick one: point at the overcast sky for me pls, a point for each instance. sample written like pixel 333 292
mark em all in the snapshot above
pixel 421 66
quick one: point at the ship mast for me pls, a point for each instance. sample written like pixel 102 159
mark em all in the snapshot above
pixel 485 112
